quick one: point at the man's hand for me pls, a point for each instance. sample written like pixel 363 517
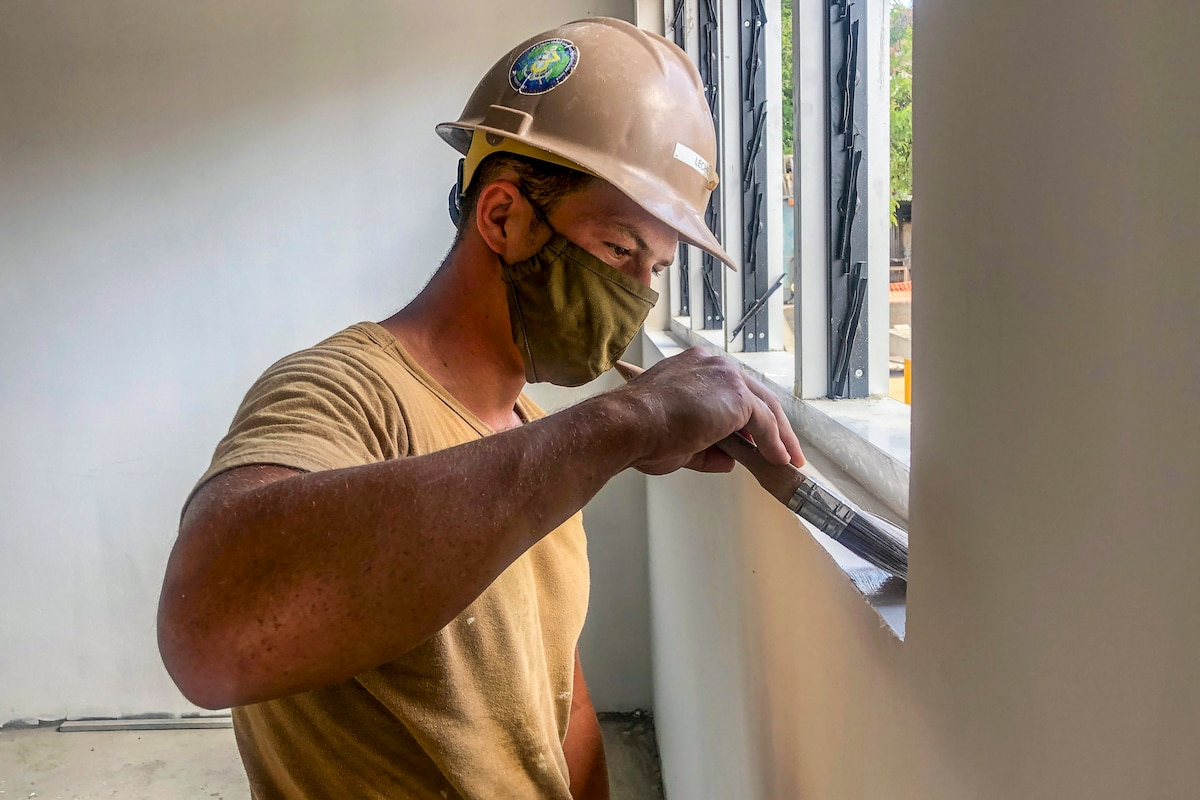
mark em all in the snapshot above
pixel 695 399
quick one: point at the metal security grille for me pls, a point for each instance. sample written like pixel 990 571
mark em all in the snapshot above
pixel 755 289
pixel 710 71
pixel 847 200
pixel 679 33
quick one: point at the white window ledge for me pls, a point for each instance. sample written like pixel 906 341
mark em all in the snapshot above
pixel 869 439
pixel 863 454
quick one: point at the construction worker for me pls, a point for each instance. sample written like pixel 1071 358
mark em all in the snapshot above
pixel 384 570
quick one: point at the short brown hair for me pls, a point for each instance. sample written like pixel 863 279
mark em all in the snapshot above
pixel 544 184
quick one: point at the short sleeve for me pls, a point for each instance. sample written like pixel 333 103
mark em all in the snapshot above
pixel 319 409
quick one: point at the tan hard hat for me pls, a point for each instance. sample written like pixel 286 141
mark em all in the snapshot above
pixel 619 102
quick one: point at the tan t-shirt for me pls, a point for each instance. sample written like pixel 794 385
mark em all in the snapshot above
pixel 481 709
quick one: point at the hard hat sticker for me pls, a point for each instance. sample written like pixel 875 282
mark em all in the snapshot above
pixel 543 66
pixel 693 159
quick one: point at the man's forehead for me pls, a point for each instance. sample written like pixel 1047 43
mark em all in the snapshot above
pixel 632 230
pixel 647 231
pixel 609 206
pixel 603 207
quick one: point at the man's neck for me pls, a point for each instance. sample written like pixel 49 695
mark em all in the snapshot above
pixel 457 329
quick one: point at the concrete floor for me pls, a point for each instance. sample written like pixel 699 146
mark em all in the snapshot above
pixel 170 765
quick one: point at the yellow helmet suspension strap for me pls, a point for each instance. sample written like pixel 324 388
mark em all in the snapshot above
pixel 484 144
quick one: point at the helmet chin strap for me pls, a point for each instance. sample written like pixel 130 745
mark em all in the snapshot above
pixel 456 196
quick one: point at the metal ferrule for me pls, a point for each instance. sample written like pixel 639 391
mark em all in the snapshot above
pixel 821 508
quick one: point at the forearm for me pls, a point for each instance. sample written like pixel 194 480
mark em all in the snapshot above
pixel 312 579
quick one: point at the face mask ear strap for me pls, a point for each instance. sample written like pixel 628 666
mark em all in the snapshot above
pixel 538 212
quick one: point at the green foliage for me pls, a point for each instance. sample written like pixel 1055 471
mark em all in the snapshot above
pixel 901 116
pixel 785 33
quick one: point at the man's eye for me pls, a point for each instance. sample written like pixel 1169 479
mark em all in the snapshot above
pixel 618 251
pixel 656 271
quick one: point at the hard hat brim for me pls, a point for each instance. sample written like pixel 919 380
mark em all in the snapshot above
pixel 649 192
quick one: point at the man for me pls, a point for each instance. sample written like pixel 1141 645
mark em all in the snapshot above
pixel 384 569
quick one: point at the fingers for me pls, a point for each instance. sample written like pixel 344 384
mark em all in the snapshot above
pixel 711 460
pixel 792 452
pixel 763 429
pixel 770 428
pixel 693 399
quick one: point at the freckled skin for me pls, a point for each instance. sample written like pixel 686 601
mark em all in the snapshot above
pixel 282 582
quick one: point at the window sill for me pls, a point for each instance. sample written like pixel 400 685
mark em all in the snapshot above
pixel 869 439
pixel 862 453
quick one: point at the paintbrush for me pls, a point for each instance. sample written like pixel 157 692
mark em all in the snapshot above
pixel 872 538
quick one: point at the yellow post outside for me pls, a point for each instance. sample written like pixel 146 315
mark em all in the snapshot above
pixel 908 381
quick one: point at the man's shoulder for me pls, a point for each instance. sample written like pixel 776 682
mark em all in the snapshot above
pixel 362 341
pixel 363 350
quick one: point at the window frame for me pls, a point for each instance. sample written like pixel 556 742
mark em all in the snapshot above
pixel 869 437
pixel 811 270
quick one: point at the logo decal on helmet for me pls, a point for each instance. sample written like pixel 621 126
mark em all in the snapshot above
pixel 543 66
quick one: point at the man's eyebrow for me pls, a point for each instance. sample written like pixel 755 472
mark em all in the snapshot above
pixel 633 234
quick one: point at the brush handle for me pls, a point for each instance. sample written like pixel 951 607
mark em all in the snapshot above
pixel 781 480
pixel 880 542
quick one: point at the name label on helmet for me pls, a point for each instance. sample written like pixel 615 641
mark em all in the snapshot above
pixel 543 66
pixel 693 159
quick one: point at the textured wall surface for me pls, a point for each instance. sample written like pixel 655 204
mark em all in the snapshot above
pixel 188 192
pixel 1052 633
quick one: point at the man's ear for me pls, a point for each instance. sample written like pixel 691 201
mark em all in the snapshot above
pixel 505 220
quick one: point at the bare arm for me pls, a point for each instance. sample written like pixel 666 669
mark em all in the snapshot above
pixel 584 747
pixel 282 582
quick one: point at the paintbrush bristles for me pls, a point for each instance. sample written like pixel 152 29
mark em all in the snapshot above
pixel 878 541
pixel 872 538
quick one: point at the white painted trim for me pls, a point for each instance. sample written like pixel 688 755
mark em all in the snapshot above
pixel 810 188
pixel 877 82
pixel 731 160
pixel 650 15
pixel 773 211
pixel 146 724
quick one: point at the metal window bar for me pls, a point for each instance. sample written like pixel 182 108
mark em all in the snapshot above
pixel 847 121
pixel 710 70
pixel 756 288
pixel 679 33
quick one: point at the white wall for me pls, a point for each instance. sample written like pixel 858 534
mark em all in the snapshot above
pixel 187 192
pixel 1053 638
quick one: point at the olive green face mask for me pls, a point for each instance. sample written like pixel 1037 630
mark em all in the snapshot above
pixel 572 315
